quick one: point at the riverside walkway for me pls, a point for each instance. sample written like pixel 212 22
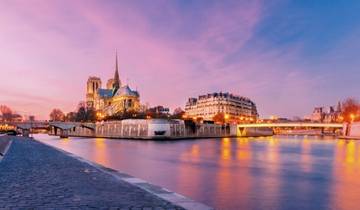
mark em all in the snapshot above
pixel 36 176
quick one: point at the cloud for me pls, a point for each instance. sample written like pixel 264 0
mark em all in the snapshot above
pixel 49 48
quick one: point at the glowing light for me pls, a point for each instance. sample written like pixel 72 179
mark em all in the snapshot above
pixel 100 116
pixel 352 116
pixel 273 117
pixel 195 151
pixel 315 125
pixel 225 149
pixel 350 152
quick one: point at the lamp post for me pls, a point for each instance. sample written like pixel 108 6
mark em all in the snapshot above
pixel 352 117
pixel 226 118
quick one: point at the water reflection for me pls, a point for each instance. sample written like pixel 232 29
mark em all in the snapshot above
pixel 238 173
pixel 306 162
pixel 346 190
pixel 100 152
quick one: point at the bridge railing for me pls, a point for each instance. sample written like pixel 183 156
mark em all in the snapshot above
pixel 311 125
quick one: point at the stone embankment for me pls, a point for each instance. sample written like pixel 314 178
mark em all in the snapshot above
pixel 4 145
pixel 145 129
pixel 153 129
pixel 36 176
pixel 351 131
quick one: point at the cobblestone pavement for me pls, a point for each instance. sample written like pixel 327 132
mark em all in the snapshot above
pixel 36 176
pixel 3 144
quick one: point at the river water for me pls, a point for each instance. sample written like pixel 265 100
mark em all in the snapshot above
pixel 237 173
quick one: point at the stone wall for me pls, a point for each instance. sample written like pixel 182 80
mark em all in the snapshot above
pixel 4 143
pixel 149 129
pixel 254 132
pixel 352 130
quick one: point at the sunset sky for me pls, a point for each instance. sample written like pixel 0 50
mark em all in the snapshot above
pixel 287 56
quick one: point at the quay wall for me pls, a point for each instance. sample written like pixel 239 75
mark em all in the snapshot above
pixel 300 132
pixel 352 130
pixel 149 129
pixel 255 132
pixel 4 142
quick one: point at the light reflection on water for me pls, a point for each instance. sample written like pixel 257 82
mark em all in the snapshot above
pixel 237 173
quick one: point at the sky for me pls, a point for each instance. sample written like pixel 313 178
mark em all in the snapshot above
pixel 287 56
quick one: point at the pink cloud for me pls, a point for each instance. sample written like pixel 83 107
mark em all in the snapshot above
pixel 51 47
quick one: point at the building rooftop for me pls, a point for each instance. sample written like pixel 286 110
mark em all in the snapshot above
pixel 220 94
pixel 105 93
pixel 126 91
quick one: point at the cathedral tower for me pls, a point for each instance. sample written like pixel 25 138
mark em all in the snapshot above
pixel 93 84
pixel 117 82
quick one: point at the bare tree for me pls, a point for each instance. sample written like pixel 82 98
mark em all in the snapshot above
pixel 178 113
pixel 6 113
pixel 350 110
pixel 57 115
pixel 70 117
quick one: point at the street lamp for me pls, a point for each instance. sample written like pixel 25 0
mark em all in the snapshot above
pixel 341 118
pixel 352 116
pixel 99 115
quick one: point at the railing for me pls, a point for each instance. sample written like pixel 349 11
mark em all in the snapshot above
pixel 311 125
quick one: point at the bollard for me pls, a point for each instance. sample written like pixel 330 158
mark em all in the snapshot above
pixel 25 133
pixel 64 134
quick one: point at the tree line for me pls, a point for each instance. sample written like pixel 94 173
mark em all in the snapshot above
pixel 81 115
pixel 84 114
pixel 8 115
pixel 350 112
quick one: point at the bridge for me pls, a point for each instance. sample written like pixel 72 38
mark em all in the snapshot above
pixel 61 128
pixel 301 128
pixel 291 125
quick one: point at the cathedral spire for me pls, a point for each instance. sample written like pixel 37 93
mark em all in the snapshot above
pixel 339 108
pixel 116 76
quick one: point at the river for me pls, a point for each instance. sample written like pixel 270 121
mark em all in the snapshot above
pixel 237 173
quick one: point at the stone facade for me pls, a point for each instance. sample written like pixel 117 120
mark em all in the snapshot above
pixel 352 130
pixel 234 107
pixel 114 98
pixel 326 114
pixel 149 129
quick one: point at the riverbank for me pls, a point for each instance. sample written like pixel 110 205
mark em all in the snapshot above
pixel 153 129
pixel 351 131
pixel 234 173
pixel 4 145
pixel 35 175
pixel 350 137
